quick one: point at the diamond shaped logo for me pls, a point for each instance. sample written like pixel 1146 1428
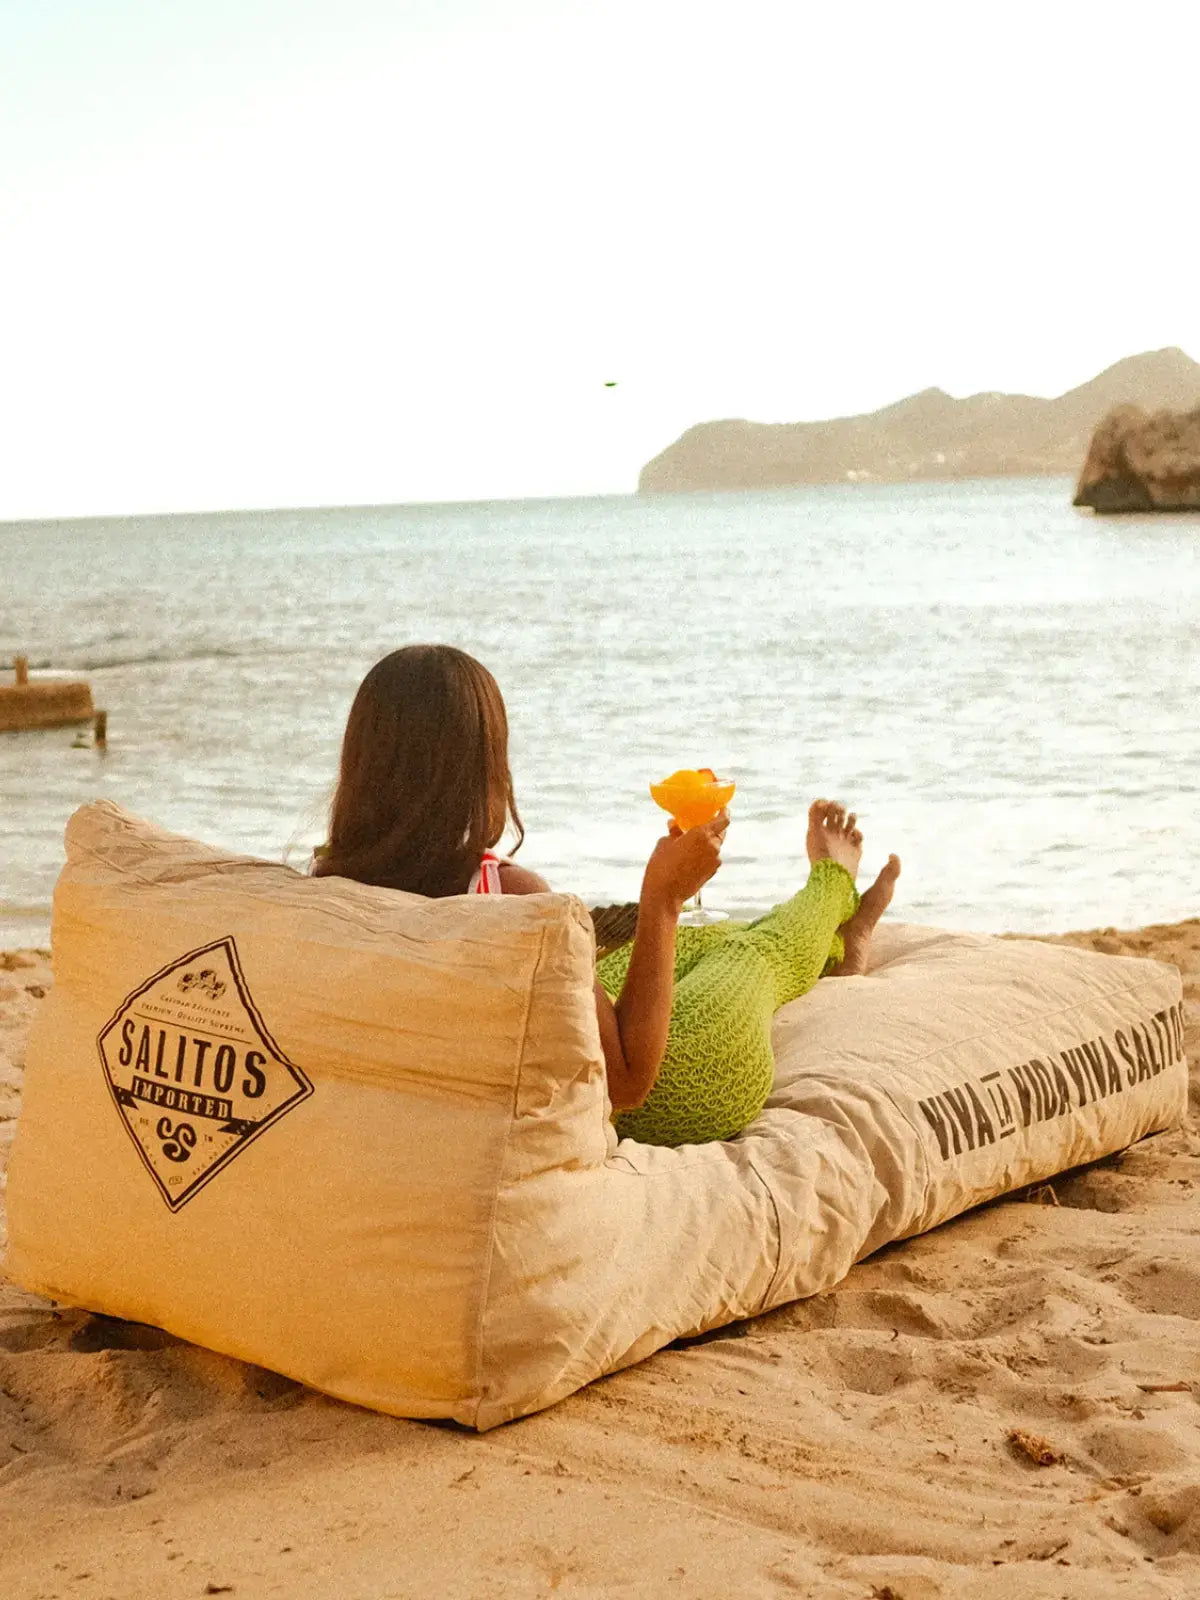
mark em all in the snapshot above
pixel 193 1070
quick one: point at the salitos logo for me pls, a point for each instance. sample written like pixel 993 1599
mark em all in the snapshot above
pixel 193 1070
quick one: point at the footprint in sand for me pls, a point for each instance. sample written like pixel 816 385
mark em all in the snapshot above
pixel 1164 1288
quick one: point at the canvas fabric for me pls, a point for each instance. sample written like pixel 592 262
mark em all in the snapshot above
pixel 362 1137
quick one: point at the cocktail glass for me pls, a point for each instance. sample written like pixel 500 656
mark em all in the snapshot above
pixel 693 796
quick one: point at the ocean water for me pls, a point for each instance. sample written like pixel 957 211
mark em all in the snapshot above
pixel 1008 692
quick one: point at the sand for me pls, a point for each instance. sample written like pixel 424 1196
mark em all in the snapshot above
pixel 863 1444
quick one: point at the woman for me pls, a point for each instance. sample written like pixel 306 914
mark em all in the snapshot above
pixel 425 793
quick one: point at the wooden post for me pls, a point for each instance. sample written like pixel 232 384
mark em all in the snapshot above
pixel 101 726
pixel 21 670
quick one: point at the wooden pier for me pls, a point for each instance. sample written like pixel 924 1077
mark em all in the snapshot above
pixel 43 703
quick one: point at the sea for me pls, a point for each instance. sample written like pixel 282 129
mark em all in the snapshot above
pixel 1007 691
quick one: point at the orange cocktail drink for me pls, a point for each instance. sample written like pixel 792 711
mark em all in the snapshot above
pixel 693 796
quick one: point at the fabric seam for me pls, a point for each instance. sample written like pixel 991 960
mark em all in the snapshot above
pixel 486 1287
pixel 778 1272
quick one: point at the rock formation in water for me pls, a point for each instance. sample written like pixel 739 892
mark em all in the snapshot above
pixel 1143 462
pixel 929 435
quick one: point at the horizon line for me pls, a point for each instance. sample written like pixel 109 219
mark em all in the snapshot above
pixel 855 485
pixel 278 510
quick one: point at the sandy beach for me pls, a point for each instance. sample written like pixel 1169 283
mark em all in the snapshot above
pixel 1005 1407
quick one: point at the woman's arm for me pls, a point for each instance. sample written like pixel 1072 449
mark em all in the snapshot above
pixel 634 1031
pixel 517 880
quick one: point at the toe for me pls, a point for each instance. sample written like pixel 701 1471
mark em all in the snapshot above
pixel 855 837
pixel 836 817
pixel 879 896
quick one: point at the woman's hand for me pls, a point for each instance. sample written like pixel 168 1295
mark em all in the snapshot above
pixel 682 863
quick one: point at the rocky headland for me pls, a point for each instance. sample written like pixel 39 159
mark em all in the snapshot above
pixel 1143 461
pixel 929 435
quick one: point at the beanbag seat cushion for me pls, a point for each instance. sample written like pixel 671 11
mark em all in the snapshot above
pixel 362 1138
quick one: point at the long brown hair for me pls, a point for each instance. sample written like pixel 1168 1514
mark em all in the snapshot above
pixel 424 786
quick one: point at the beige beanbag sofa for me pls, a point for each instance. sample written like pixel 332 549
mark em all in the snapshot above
pixel 362 1138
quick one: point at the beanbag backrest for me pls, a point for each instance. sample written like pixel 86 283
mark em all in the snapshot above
pixel 361 1137
pixel 346 1241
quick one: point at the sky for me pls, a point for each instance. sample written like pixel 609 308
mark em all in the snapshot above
pixel 280 252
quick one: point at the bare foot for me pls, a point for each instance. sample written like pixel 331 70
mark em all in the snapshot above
pixel 856 934
pixel 834 836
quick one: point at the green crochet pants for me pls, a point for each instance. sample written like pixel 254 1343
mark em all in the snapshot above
pixel 730 979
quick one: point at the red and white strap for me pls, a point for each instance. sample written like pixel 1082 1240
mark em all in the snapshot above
pixel 487 877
